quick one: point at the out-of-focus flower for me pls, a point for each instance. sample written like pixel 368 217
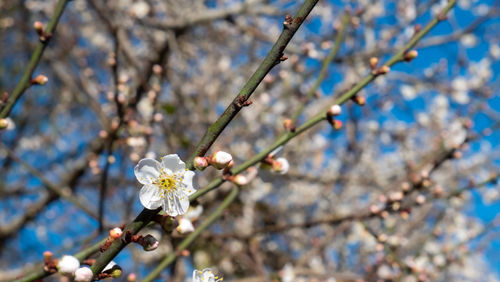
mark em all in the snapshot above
pixel 185 226
pixel 167 184
pixel 68 265
pixel 186 222
pixel 206 275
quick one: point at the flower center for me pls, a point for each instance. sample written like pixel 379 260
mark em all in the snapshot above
pixel 168 183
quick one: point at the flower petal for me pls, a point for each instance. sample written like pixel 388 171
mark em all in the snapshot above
pixel 150 197
pixel 173 162
pixel 147 170
pixel 176 204
pixel 188 183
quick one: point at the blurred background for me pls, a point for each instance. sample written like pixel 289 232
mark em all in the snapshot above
pixel 406 190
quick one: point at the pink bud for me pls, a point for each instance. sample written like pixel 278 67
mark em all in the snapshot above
pixel 40 79
pixel 200 163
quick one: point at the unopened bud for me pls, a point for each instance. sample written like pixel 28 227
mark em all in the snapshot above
pixel 200 163
pixel 240 180
pixel 438 191
pixel 337 124
pixel 47 255
pixel 221 159
pixel 38 26
pixel 404 215
pixel 115 233
pixel 132 277
pixel 396 196
pixel 116 273
pixel 374 209
pixel 405 186
pixel 288 125
pixel 4 123
pixel 281 165
pixel 359 100
pixel 383 69
pixel 149 243
pixel 457 154
pixel 83 274
pixel 68 265
pixel 157 69
pixel 40 79
pixel 410 55
pixel 420 199
pixel 373 62
pixel 335 110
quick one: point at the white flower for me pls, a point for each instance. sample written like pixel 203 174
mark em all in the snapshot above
pixel 83 274
pixel 205 276
pixel 68 265
pixel 167 184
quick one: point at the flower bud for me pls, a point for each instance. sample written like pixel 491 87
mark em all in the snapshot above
pixel 83 274
pixel 288 125
pixel 68 265
pixel 115 233
pixel 396 196
pixel 40 79
pixel 185 226
pixel 38 26
pixel 47 255
pixel 410 55
pixel 359 100
pixel 281 166
pixel 337 124
pixel 150 243
pixel 383 69
pixel 221 159
pixel 4 123
pixel 240 180
pixel 420 199
pixel 335 110
pixel 132 277
pixel 373 62
pixel 200 163
pixel 116 273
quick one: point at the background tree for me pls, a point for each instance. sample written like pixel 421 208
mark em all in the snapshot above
pixel 400 185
